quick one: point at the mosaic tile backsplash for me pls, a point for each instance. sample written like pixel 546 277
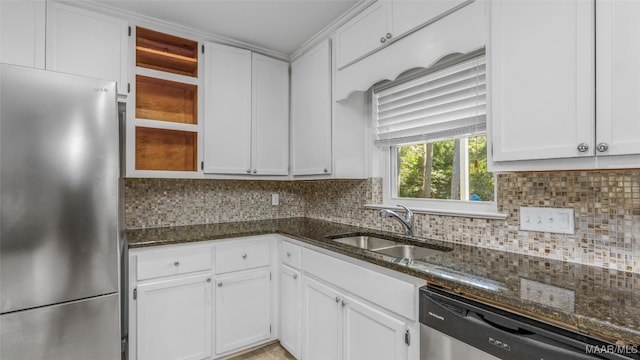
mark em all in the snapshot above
pixel 606 206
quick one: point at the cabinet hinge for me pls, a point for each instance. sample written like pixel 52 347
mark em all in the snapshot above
pixel 269 328
pixel 135 294
pixel 407 337
pixel 201 165
pixel 128 88
pixel 129 30
pixel 269 276
pixel 491 149
pixel 203 49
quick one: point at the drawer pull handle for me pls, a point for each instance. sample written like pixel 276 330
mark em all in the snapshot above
pixel 295 276
pixel 288 254
pixel 220 284
pixel 208 280
pixel 344 303
pixel 337 299
pixel 244 256
pixel 177 263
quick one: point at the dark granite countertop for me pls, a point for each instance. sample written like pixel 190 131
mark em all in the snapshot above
pixel 606 302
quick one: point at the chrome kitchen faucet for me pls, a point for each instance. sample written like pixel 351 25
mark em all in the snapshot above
pixel 407 222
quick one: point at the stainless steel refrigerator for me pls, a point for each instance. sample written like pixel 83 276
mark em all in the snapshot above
pixel 59 235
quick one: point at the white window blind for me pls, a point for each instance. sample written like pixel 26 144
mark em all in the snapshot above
pixel 444 104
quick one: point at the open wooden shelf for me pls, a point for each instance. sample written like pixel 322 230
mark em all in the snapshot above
pixel 164 100
pixel 159 51
pixel 168 150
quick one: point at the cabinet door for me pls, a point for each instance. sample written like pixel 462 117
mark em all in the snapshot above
pixel 541 78
pixel 410 14
pixel 363 34
pixel 174 319
pixel 22 33
pixel 290 310
pixel 322 324
pixel 371 334
pixel 85 43
pixel 243 315
pixel 311 112
pixel 270 116
pixel 227 119
pixel 617 59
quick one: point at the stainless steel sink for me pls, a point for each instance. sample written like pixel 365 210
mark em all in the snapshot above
pixel 388 247
pixel 366 242
pixel 410 252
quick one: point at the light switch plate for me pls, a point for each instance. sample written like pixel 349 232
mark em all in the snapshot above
pixel 552 220
pixel 549 295
pixel 275 199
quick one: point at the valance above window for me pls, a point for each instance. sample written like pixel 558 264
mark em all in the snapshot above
pixel 445 103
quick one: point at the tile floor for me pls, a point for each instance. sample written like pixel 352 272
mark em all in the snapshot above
pixel 269 352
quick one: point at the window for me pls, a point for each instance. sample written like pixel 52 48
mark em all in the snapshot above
pixel 433 126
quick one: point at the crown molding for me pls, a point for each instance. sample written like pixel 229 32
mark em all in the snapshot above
pixel 179 30
pixel 328 30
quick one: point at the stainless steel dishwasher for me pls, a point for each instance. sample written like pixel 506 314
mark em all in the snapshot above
pixel 456 328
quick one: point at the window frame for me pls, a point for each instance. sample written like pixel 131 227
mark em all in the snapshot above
pixel 487 209
pixel 467 208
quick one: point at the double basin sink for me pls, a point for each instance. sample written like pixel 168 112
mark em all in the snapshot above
pixel 389 247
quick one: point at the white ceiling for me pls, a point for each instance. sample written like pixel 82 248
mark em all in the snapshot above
pixel 280 25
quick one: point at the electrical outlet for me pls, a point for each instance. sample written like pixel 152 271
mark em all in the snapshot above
pixel 548 295
pixel 275 199
pixel 553 220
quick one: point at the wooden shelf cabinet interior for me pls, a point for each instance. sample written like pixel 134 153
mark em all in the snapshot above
pixel 164 100
pixel 163 52
pixel 163 149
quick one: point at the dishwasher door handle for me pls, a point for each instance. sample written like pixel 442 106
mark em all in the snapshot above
pixel 506 326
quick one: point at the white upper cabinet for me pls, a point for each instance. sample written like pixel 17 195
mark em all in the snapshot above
pixel 617 77
pixel 311 112
pixel 364 33
pixel 548 75
pixel 246 129
pixel 22 33
pixel 86 43
pixel 383 22
pixel 227 123
pixel 270 89
pixel 541 79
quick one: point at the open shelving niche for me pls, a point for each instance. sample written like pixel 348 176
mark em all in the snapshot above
pixel 165 130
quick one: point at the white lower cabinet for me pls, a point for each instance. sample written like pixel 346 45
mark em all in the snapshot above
pixel 371 334
pixel 338 326
pixel 174 319
pixel 290 289
pixel 243 304
pixel 322 329
pixel 212 299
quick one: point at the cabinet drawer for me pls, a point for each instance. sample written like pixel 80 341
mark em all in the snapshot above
pixel 242 255
pixel 385 291
pixel 166 262
pixel 290 254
